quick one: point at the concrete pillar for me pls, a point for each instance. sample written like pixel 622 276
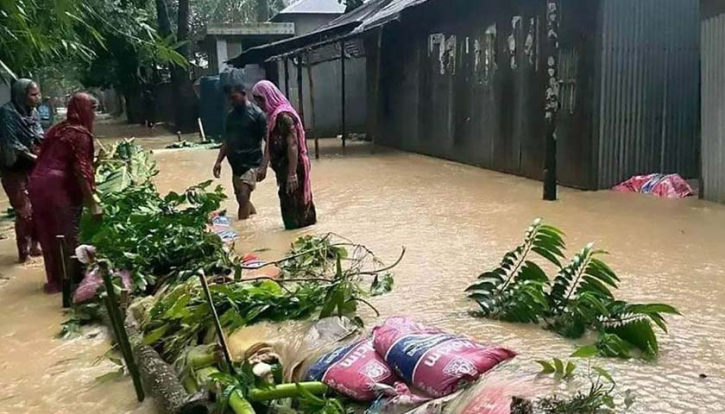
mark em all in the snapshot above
pixel 221 53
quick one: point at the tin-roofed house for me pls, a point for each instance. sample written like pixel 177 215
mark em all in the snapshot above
pixel 713 100
pixel 468 81
pixel 330 77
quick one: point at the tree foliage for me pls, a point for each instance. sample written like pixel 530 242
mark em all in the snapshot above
pixel 37 33
pixel 579 298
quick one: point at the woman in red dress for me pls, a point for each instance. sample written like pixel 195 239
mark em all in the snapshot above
pixel 63 182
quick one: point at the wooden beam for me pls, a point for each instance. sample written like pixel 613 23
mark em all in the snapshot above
pixel 313 128
pixel 300 87
pixel 379 65
pixel 343 129
pixel 286 77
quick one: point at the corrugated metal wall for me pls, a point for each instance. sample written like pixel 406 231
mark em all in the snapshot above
pixel 467 86
pixel 713 108
pixel 649 98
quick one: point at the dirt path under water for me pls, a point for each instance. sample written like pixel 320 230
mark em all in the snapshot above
pixel 456 221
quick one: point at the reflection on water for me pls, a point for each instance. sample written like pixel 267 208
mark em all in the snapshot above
pixel 456 221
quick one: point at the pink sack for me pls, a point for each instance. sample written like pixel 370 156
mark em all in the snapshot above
pixel 435 362
pixel 94 280
pixel 353 371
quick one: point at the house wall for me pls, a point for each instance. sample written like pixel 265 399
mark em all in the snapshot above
pixel 306 23
pixel 467 86
pixel 649 89
pixel 470 87
pixel 327 87
pixel 713 103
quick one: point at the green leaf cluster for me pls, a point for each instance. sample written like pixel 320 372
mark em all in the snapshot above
pixel 149 235
pixel 577 299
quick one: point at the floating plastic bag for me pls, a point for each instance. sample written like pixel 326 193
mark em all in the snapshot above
pixel 353 370
pixel 433 361
pixel 94 280
pixel 660 185
pixel 495 393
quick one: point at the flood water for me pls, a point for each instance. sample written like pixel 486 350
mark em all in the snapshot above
pixel 456 221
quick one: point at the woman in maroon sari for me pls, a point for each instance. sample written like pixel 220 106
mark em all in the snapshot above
pixel 62 182
pixel 286 149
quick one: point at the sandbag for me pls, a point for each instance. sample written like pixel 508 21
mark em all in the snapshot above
pixel 435 362
pixel 353 370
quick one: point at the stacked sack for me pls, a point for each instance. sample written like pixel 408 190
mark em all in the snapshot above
pixel 433 363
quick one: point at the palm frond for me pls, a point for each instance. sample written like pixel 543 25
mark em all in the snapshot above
pixel 586 274
pixel 515 290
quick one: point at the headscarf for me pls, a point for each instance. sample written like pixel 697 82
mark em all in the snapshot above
pixel 276 104
pixel 20 129
pixel 79 117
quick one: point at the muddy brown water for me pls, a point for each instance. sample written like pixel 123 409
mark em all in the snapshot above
pixel 455 221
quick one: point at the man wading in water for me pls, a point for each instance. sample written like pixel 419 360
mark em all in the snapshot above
pixel 245 129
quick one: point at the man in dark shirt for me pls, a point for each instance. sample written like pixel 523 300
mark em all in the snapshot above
pixel 244 132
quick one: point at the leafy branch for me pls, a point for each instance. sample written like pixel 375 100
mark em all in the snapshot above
pixel 579 298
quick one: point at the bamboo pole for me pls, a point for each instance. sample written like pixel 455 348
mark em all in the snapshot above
pixel 66 282
pixel 286 77
pixel 342 91
pixel 201 130
pixel 117 322
pixel 300 87
pixel 312 108
pixel 217 323
pixel 378 69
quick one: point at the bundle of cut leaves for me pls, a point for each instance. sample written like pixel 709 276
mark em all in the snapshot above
pixel 578 299
pixel 159 237
pixel 181 316
pixel 123 165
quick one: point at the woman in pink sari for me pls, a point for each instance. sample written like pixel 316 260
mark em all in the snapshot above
pixel 286 150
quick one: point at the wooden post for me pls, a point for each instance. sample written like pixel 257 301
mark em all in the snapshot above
pixel 286 77
pixel 217 323
pixel 343 130
pixel 66 281
pixel 201 130
pixel 300 87
pixel 312 108
pixel 379 66
pixel 117 322
pixel 552 98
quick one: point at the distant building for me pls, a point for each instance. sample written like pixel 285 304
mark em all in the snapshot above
pixel 222 42
pixel 310 15
pixel 312 18
pixel 713 100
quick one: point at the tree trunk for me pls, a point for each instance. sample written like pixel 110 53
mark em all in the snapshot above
pixel 184 98
pixel 262 10
pixel 184 114
pixel 162 14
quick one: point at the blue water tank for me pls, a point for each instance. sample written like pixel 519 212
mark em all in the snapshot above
pixel 212 107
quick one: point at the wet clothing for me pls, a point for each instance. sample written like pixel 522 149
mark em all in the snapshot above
pixel 297 213
pixel 20 137
pixel 248 179
pixel 245 129
pixel 298 208
pixel 62 179
pixel 15 184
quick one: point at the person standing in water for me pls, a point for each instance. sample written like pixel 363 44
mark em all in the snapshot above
pixel 20 138
pixel 244 131
pixel 286 150
pixel 63 182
